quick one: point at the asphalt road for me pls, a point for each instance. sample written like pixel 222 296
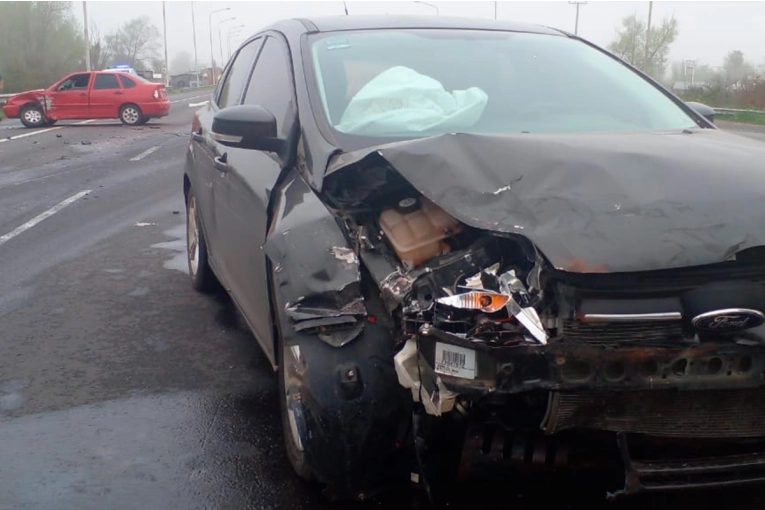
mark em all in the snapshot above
pixel 120 387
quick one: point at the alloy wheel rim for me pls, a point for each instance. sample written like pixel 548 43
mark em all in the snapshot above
pixel 130 115
pixel 33 116
pixel 192 237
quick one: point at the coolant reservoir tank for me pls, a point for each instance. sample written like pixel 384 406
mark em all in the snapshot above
pixel 416 228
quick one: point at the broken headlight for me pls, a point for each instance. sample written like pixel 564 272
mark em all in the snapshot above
pixel 485 301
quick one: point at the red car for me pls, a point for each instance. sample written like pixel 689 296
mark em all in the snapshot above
pixel 91 95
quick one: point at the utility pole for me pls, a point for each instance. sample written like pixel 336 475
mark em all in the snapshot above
pixel 87 35
pixel 164 29
pixel 495 10
pixel 647 37
pixel 577 3
pixel 194 32
pixel 345 6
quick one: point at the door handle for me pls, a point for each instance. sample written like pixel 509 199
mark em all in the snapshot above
pixel 221 162
pixel 197 136
pixel 118 93
pixel 83 94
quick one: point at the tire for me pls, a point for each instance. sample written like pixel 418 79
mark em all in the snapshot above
pixel 295 452
pixel 202 277
pixel 32 116
pixel 131 115
pixel 144 121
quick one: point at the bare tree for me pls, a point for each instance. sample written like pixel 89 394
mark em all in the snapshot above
pixel 737 70
pixel 135 42
pixel 630 44
pixel 100 53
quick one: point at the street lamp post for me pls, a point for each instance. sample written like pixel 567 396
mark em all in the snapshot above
pixel 233 31
pixel 576 23
pixel 429 5
pixel 220 38
pixel 87 37
pixel 164 35
pixel 212 53
pixel 194 33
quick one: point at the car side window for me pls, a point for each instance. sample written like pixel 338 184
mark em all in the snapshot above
pixel 75 82
pixel 127 83
pixel 235 79
pixel 106 81
pixel 271 85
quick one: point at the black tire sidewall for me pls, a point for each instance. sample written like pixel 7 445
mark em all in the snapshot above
pixel 204 279
pixel 296 458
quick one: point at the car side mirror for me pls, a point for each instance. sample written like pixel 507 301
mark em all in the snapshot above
pixel 246 127
pixel 703 110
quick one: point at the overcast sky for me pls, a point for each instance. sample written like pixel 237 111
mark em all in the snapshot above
pixel 708 30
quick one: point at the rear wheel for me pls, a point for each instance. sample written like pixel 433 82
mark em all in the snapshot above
pixel 131 115
pixel 202 277
pixel 32 116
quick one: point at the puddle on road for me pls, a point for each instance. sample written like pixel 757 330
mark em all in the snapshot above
pixel 179 261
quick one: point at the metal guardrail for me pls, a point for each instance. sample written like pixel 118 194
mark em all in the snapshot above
pixel 3 97
pixel 731 111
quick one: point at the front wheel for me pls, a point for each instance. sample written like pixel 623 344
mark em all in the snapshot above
pixel 291 410
pixel 32 116
pixel 131 115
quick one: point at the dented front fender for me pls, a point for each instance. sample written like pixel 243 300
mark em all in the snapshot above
pixel 316 271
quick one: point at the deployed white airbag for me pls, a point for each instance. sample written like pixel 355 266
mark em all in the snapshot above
pixel 400 101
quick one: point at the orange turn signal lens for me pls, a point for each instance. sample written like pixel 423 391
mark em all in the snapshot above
pixel 488 302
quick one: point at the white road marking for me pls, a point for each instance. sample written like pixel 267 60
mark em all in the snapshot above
pixel 145 153
pixel 195 105
pixel 29 134
pixel 37 219
pixel 33 133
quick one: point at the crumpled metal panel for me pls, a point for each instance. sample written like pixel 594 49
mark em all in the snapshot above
pixel 595 203
pixel 315 271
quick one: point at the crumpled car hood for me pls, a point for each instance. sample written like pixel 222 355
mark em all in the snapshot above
pixel 29 94
pixel 596 203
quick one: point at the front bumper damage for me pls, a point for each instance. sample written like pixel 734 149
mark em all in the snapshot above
pixel 697 407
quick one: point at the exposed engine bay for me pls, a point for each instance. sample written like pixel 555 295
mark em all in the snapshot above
pixel 487 329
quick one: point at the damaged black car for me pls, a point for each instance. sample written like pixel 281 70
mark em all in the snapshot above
pixel 463 242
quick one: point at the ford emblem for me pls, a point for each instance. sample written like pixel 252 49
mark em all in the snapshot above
pixel 732 319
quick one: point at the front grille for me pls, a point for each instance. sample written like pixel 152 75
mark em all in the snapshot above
pixel 623 332
pixel 693 414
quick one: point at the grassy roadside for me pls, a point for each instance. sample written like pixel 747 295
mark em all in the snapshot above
pixel 744 118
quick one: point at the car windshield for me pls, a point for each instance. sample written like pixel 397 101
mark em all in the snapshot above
pixel 413 83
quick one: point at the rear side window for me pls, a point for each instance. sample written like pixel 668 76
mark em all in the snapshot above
pixel 234 82
pixel 127 83
pixel 106 81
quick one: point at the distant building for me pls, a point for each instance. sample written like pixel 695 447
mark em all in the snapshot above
pixel 191 79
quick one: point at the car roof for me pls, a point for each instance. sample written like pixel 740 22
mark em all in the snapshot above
pixel 392 21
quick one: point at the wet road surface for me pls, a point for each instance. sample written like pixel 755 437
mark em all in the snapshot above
pixel 120 387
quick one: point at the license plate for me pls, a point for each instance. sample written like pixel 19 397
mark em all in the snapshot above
pixel 454 360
